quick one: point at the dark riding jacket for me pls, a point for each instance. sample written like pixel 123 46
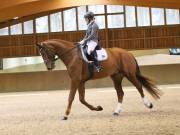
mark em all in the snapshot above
pixel 92 32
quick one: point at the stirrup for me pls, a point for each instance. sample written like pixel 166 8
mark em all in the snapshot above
pixel 98 70
pixel 90 62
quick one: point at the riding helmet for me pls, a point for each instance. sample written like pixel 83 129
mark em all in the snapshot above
pixel 89 15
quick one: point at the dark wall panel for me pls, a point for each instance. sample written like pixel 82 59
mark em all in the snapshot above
pixel 127 38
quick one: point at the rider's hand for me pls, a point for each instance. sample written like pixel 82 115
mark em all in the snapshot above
pixel 81 42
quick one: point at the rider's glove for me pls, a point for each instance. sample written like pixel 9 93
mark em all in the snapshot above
pixel 81 42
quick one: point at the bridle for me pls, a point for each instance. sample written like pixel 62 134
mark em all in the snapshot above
pixel 45 55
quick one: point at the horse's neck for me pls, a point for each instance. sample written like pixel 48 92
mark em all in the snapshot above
pixel 66 54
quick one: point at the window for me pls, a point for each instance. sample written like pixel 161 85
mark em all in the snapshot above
pixel 56 22
pixel 100 20
pixel 143 16
pixel 114 8
pixel 4 31
pixel 42 24
pixel 172 16
pixel 28 27
pixel 97 9
pixel 81 21
pixel 115 21
pixel 16 29
pixel 130 16
pixel 70 20
pixel 157 16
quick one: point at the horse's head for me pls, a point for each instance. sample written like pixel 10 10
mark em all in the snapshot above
pixel 48 54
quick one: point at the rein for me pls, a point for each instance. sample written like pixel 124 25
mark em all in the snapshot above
pixel 66 52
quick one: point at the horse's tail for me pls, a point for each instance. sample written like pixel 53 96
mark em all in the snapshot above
pixel 148 84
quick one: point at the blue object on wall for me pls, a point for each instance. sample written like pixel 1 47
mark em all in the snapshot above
pixel 174 51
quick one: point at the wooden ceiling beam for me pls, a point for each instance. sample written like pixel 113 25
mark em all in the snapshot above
pixel 30 17
pixel 10 3
pixel 38 6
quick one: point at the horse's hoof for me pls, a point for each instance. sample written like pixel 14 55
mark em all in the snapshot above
pixel 115 114
pixel 151 106
pixel 64 118
pixel 99 108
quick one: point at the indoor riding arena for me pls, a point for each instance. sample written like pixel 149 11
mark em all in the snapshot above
pixel 53 83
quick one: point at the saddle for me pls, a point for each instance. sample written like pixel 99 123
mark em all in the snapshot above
pixel 94 59
pixel 101 53
pixel 89 57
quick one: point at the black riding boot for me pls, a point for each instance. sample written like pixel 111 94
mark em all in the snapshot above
pixel 96 62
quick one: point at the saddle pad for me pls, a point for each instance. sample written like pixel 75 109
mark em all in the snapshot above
pixel 102 54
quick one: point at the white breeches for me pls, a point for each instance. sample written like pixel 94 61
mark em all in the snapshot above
pixel 91 46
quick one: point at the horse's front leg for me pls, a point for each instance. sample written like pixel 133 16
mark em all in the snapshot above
pixel 81 90
pixel 74 86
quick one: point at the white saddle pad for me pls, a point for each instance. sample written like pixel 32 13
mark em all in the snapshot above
pixel 102 54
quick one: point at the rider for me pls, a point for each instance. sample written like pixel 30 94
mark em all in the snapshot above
pixel 91 38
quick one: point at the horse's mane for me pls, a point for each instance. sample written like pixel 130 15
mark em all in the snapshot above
pixel 68 43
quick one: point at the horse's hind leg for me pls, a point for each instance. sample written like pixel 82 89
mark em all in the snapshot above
pixel 117 80
pixel 133 79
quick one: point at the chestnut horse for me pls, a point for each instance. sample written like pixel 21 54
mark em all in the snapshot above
pixel 119 64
